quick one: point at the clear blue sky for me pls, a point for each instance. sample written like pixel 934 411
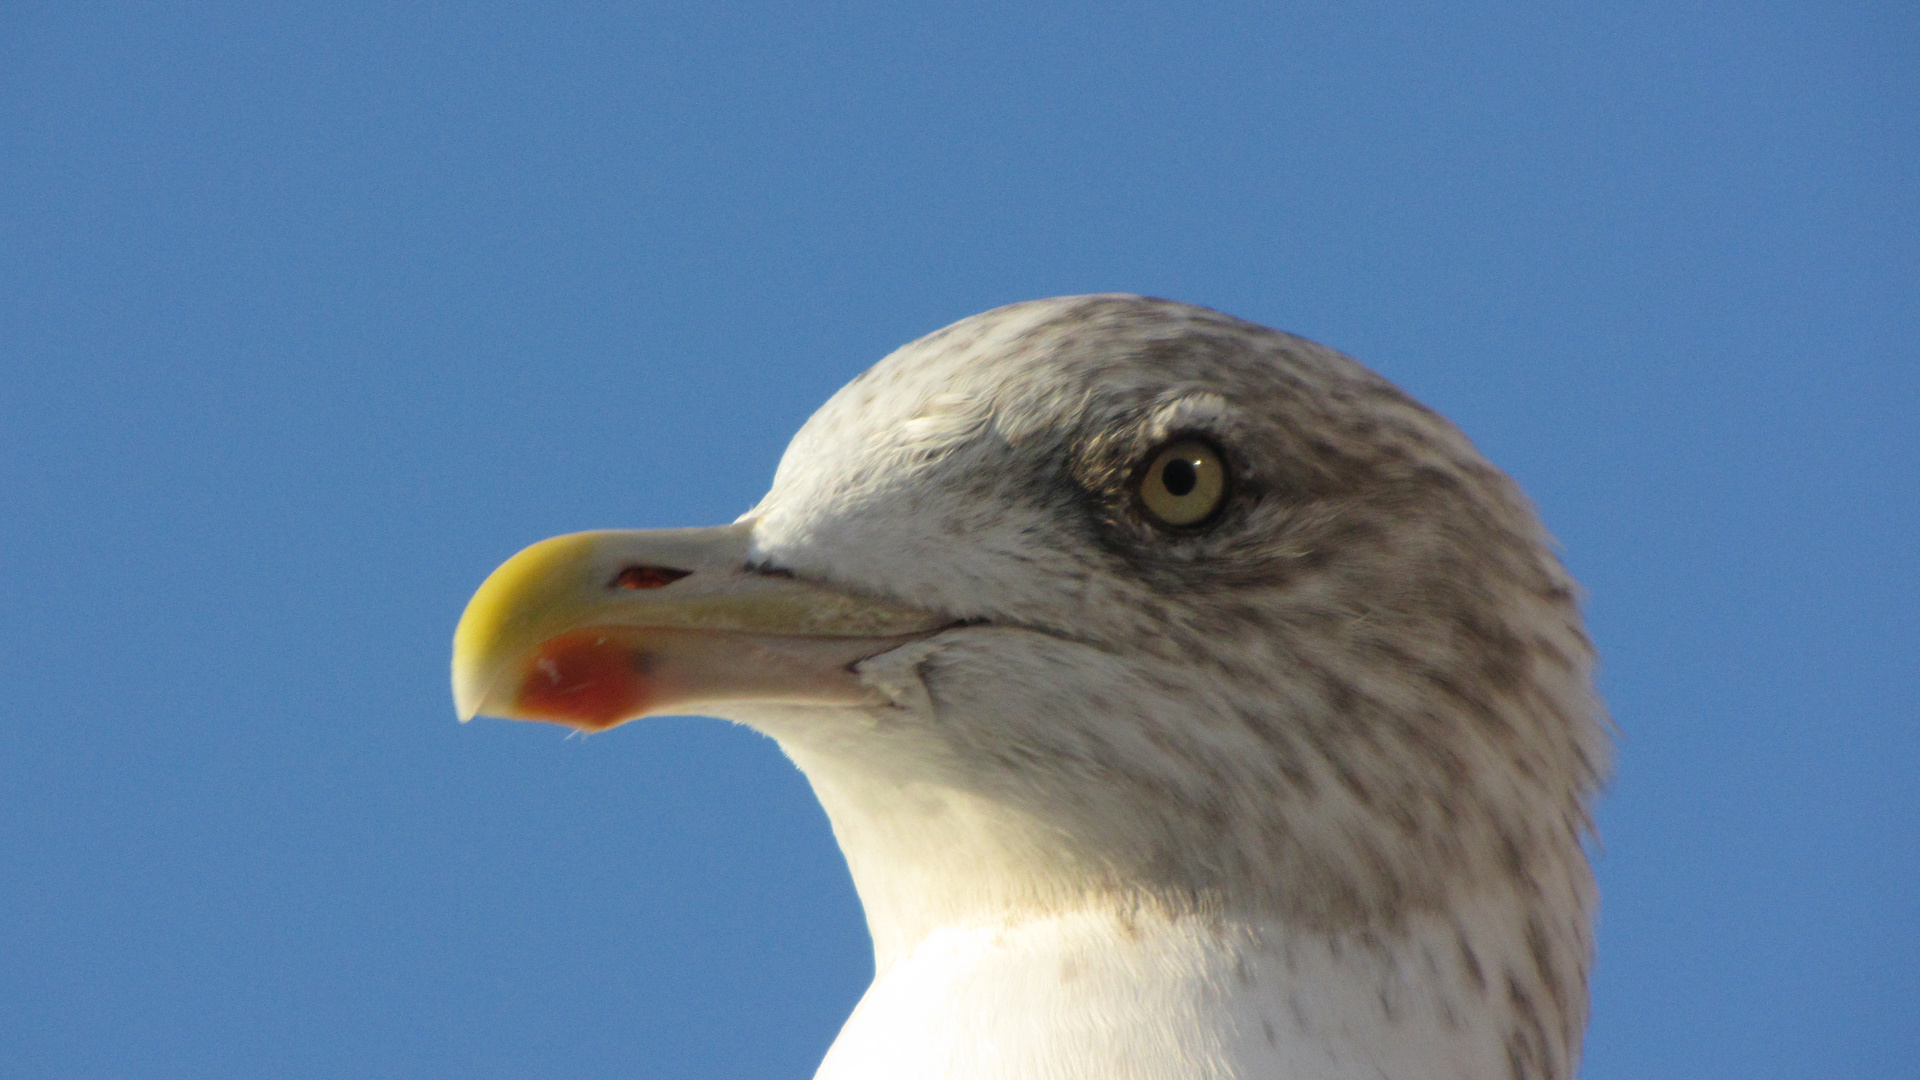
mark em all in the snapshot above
pixel 311 314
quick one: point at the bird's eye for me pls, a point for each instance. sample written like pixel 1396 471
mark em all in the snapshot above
pixel 1185 483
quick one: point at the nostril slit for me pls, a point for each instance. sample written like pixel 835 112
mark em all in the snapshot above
pixel 647 577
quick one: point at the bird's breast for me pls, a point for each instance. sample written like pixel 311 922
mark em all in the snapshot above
pixel 1101 995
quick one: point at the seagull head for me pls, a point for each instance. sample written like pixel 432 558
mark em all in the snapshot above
pixel 1110 602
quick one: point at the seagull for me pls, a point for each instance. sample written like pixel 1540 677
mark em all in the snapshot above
pixel 1187 700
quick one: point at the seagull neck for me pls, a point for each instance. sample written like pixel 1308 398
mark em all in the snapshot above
pixel 991 930
pixel 1181 997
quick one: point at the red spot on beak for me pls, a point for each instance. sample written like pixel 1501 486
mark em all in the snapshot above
pixel 586 680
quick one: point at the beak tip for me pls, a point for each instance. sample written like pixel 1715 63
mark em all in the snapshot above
pixel 493 624
pixel 466 702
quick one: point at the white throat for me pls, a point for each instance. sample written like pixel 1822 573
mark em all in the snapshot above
pixel 997 959
pixel 1095 994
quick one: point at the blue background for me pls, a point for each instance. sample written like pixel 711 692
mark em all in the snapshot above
pixel 311 314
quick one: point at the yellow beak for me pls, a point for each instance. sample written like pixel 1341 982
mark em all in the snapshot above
pixel 593 629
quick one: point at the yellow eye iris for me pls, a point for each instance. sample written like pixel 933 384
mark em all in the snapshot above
pixel 1185 483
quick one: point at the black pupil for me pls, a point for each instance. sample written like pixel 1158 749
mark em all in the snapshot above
pixel 1180 477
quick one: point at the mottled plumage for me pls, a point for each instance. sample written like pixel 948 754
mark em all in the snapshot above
pixel 1357 702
